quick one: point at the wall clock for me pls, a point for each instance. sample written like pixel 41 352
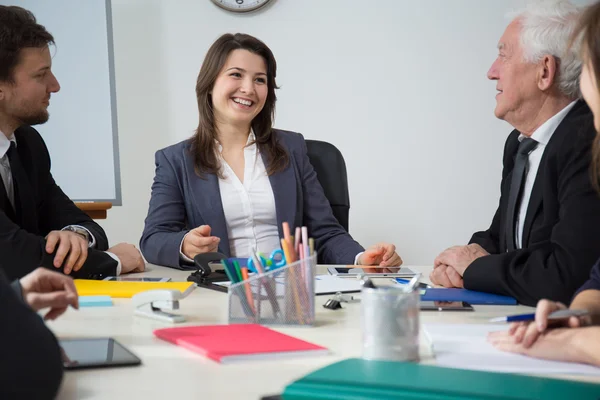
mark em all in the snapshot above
pixel 240 5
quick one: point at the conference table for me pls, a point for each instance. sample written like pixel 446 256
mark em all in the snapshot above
pixel 172 372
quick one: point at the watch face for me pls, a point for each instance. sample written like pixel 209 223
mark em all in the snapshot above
pixel 240 5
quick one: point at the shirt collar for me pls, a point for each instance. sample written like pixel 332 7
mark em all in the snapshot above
pixel 543 134
pixel 5 143
pixel 251 138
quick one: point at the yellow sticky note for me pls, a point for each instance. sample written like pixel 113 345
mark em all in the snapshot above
pixel 88 287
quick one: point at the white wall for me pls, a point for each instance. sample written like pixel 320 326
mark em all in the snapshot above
pixel 398 86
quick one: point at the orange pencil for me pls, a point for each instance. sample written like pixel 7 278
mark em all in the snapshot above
pixel 286 231
pixel 248 290
pixel 290 240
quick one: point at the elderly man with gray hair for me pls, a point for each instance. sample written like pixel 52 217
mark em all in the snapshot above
pixel 545 235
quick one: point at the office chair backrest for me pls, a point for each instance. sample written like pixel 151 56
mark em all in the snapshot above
pixel 330 167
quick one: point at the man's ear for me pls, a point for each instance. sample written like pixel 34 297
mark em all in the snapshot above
pixel 548 67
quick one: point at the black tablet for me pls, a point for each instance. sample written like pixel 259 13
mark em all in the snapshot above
pixel 445 306
pixel 96 353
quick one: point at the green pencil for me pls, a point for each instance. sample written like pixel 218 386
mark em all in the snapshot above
pixel 238 270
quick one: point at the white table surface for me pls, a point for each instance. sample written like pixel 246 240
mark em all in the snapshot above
pixel 170 372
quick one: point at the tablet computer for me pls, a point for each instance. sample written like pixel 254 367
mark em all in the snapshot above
pixel 134 279
pixel 355 272
pixel 445 306
pixel 95 353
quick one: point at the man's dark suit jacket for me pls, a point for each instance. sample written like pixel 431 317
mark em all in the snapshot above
pixel 561 234
pixel 30 361
pixel 22 243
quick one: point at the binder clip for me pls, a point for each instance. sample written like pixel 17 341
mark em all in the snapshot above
pixel 332 304
pixel 336 301
pixel 152 303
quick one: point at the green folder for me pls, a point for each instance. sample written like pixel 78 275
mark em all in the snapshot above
pixel 356 379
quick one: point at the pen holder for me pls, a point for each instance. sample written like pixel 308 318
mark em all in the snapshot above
pixel 390 324
pixel 283 296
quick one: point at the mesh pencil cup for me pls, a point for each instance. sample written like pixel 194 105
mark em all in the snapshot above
pixel 282 296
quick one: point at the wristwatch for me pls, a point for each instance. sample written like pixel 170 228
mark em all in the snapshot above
pixel 78 230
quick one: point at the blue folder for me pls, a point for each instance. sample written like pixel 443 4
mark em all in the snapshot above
pixel 470 296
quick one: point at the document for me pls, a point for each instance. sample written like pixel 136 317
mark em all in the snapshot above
pixel 466 346
pixel 324 284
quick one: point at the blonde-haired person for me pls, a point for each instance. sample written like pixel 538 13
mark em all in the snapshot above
pixel 576 339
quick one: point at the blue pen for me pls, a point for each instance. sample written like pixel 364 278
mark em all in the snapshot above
pixel 405 281
pixel 556 315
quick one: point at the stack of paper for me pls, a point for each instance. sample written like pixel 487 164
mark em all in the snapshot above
pixel 466 346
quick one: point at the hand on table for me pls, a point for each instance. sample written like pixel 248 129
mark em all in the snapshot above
pixel 71 248
pixel 451 264
pixel 527 333
pixel 130 257
pixel 382 255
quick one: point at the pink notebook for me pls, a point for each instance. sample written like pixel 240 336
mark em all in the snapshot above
pixel 238 342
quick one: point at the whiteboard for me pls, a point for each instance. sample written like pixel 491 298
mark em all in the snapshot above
pixel 81 134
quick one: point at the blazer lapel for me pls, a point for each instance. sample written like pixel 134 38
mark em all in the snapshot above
pixel 537 192
pixel 509 164
pixel 284 190
pixel 207 201
pixel 535 201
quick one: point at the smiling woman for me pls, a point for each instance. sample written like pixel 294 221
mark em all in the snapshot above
pixel 232 185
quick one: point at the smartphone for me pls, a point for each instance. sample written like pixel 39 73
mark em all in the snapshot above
pixel 445 306
pixel 95 353
pixel 356 272
pixel 133 279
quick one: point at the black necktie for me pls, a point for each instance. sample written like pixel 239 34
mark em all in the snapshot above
pixel 516 185
pixel 24 202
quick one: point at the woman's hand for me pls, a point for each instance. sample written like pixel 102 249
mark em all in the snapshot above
pixel 526 333
pixel 198 241
pixel 382 255
pixel 562 344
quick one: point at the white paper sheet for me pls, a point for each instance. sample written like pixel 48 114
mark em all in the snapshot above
pixel 466 346
pixel 323 284
pixel 333 284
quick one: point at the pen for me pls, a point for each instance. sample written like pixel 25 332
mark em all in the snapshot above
pixel 228 272
pixel 556 315
pixel 421 284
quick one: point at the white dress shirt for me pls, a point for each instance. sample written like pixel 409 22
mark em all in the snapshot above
pixel 6 174
pixel 249 206
pixel 541 135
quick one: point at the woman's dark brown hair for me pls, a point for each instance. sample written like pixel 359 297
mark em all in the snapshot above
pixel 588 31
pixel 203 145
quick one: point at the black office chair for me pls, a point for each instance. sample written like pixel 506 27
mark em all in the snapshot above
pixel 330 167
